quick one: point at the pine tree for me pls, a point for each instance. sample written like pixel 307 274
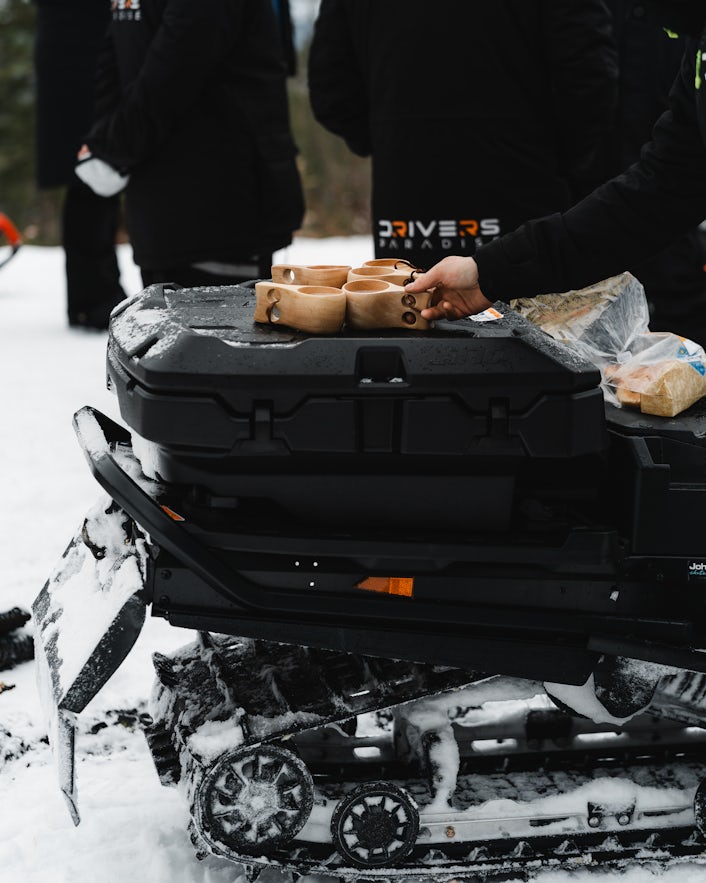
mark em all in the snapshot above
pixel 18 194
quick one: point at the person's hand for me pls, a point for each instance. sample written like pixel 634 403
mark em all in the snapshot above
pixel 454 281
pixel 100 176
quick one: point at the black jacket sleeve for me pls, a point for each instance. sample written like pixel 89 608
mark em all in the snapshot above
pixel 583 61
pixel 621 223
pixel 337 85
pixel 108 92
pixel 192 39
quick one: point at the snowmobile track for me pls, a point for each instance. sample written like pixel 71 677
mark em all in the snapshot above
pixel 519 857
pixel 273 691
pixel 506 860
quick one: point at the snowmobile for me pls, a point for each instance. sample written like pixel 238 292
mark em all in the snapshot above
pixel 441 592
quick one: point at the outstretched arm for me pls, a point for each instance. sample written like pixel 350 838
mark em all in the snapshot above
pixel 617 226
pixel 456 289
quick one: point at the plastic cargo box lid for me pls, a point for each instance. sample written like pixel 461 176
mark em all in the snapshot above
pixel 192 371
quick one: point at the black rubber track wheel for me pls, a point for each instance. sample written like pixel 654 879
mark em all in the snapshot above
pixel 254 800
pixel 375 826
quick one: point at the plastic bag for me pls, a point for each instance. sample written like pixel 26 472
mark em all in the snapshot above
pixel 664 374
pixel 608 324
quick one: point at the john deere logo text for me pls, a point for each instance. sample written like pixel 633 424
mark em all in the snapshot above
pixel 126 10
pixel 448 235
pixel 697 570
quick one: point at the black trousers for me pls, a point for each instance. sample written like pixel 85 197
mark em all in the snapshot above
pixel 89 229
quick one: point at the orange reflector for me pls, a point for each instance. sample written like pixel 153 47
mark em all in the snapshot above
pixel 389 585
pixel 172 514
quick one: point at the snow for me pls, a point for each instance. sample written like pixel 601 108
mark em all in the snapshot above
pixel 147 453
pixel 134 329
pixel 583 700
pixel 86 590
pixel 213 738
pixel 132 828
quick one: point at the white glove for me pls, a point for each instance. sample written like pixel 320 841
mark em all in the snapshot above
pixel 100 176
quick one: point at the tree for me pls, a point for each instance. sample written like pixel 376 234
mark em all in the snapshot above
pixel 18 193
pixel 336 181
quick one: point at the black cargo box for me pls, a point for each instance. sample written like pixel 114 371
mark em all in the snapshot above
pixel 399 425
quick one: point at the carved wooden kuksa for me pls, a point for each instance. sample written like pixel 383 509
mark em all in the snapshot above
pixel 387 274
pixel 320 298
pixel 375 303
pixel 318 309
pixel 334 275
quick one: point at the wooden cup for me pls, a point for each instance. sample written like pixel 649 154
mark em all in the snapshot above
pixel 372 303
pixel 334 275
pixel 393 263
pixel 387 274
pixel 318 309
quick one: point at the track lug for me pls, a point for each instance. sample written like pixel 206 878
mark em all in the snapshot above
pixel 252 872
pixel 199 847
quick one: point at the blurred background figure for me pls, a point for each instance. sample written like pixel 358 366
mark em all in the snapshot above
pixel 513 108
pixel 649 59
pixel 192 113
pixel 68 38
pixel 11 235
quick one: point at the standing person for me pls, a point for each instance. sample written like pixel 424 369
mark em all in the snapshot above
pixel 619 225
pixel 478 114
pixel 649 60
pixel 68 38
pixel 192 114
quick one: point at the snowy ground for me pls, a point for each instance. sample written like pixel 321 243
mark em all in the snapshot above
pixel 132 828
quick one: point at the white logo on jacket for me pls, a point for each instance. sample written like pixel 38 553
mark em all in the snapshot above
pixel 450 235
pixel 126 10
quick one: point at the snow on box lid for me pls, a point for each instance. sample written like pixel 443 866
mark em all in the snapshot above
pixel 211 330
pixel 193 370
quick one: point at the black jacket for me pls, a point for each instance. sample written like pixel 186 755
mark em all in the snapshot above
pixel 649 61
pixel 192 103
pixel 674 279
pixel 684 17
pixel 68 39
pixel 478 114
pixel 629 218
